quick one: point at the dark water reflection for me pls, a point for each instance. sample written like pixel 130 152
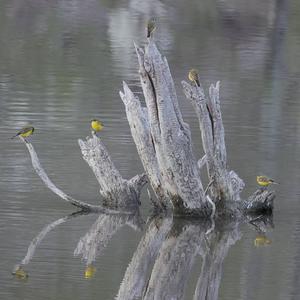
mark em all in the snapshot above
pixel 161 265
pixel 62 63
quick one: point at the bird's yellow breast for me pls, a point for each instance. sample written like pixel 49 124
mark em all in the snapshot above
pixel 26 133
pixel 263 181
pixel 96 125
pixel 191 76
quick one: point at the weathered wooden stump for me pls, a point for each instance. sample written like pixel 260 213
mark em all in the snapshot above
pixel 164 145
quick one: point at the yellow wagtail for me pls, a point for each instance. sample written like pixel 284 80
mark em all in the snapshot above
pixel 151 26
pixel 265 181
pixel 96 125
pixel 24 132
pixel 193 76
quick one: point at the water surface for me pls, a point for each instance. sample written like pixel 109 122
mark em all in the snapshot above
pixel 62 64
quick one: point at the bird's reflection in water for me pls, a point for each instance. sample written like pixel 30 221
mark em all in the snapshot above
pixel 261 225
pixel 19 271
pixel 164 258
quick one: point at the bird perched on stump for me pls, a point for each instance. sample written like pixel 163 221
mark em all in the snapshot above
pixel 265 181
pixel 193 76
pixel 151 26
pixel 24 132
pixel 96 125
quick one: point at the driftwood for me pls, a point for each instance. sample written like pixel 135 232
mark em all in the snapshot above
pixel 226 184
pixel 163 141
pixel 117 192
pixel 164 145
pixel 42 174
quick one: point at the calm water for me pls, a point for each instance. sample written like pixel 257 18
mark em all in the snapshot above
pixel 62 63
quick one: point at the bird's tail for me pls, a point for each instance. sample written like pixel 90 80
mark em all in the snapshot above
pixel 273 182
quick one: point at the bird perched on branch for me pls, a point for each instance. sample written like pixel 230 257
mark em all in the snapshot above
pixel 194 77
pixel 151 26
pixel 265 181
pixel 24 132
pixel 96 125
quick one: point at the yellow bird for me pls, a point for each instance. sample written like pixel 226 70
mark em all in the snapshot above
pixel 25 132
pixel 264 180
pixel 89 272
pixel 151 26
pixel 193 76
pixel 96 125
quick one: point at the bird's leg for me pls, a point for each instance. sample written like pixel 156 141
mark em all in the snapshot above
pixel 23 139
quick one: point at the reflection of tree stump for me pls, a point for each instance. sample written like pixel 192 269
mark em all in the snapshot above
pixel 218 245
pixel 163 260
pixel 136 276
pixel 101 232
pixel 38 239
pixel 176 257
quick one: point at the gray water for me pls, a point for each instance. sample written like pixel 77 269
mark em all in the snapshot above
pixel 62 63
